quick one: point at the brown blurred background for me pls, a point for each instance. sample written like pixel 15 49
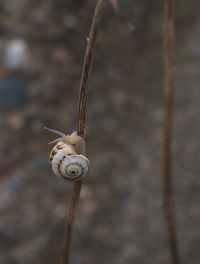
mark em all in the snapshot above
pixel 119 218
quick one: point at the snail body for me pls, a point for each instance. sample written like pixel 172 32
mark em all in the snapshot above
pixel 67 159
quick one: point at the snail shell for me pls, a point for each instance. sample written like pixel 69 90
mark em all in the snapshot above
pixel 66 158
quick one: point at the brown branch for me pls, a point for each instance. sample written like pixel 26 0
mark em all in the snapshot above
pixel 82 105
pixel 168 101
pixel 87 66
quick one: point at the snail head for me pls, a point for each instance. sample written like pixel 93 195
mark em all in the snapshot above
pixel 74 139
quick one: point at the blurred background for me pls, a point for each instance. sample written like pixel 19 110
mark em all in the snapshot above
pixel 119 217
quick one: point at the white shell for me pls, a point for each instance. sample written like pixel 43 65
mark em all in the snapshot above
pixel 67 164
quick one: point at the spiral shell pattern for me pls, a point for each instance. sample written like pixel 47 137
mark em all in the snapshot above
pixel 67 164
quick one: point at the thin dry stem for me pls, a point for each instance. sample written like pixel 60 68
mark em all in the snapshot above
pixel 87 69
pixel 168 101
pixel 81 115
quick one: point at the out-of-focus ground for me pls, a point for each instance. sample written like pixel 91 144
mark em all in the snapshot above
pixel 119 217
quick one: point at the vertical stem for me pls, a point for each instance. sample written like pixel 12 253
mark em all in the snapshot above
pixel 87 66
pixel 168 103
pixel 82 107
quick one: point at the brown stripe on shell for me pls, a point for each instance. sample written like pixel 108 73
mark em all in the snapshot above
pixel 50 161
pixel 59 146
pixel 59 165
pixel 54 152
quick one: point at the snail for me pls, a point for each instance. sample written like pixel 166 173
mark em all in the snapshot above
pixel 67 158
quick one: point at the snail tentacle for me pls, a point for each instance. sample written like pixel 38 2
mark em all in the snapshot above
pixel 56 140
pixel 56 132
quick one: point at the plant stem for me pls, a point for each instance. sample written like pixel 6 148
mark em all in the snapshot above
pixel 82 107
pixel 168 103
pixel 87 66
